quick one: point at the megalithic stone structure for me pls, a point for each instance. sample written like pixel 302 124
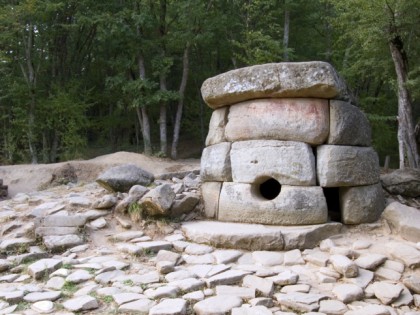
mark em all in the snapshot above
pixel 287 145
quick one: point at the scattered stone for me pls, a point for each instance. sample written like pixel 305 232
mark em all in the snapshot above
pixel 387 292
pixel 244 293
pixel 383 273
pixel 302 288
pixel 263 286
pixel 413 283
pixel 226 278
pixel 344 266
pixel 42 296
pixel 370 261
pixel 82 303
pixel 79 276
pixel 403 220
pixel 217 305
pixel 170 307
pixel 409 255
pixel 286 277
pixel 405 182
pixel 293 257
pixel 266 258
pixel 123 177
pixel 254 310
pixel 127 236
pixel 98 223
pixel 301 302
pixel 141 306
pixel 43 307
pixel 158 201
pixel 226 256
pixel 13 244
pixel 194 296
pixel 198 249
pixel 348 293
pixel 44 267
pixel 332 307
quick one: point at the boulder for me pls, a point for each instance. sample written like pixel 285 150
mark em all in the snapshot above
pixel 295 205
pixel 403 220
pixel 210 192
pixel 288 162
pixel 348 125
pixel 299 119
pixel 122 178
pixel 362 204
pixel 158 201
pixel 217 126
pixel 184 205
pixel 274 80
pixel 215 163
pixel 405 182
pixel 346 166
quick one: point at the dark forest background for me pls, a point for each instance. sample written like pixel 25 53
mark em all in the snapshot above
pixel 84 78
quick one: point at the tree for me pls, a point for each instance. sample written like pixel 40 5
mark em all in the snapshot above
pixel 376 27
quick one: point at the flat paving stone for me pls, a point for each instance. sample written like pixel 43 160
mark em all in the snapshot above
pixel 254 310
pixel 43 307
pixel 44 266
pixel 42 296
pixel 141 306
pixel 348 293
pixel 126 297
pixel 217 305
pixel 226 278
pixel 82 303
pixel 226 256
pixel 170 307
pixel 370 261
pixel 230 290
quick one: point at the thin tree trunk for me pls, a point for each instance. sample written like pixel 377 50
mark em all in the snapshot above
pixel 162 118
pixel 286 32
pixel 30 77
pixel 406 136
pixel 144 121
pixel 182 87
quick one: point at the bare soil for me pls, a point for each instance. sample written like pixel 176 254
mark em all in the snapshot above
pixel 29 177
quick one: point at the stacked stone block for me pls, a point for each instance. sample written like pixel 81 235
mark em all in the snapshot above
pixel 280 137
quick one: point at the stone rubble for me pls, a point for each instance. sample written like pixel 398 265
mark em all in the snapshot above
pixel 163 267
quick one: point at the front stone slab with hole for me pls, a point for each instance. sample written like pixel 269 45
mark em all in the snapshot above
pixel 287 147
pixel 249 203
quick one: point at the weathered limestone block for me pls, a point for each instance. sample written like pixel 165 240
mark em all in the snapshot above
pixel 346 166
pixel 298 119
pixel 217 126
pixel 274 80
pixel 210 192
pixel 403 220
pixel 293 206
pixel 288 162
pixel 215 163
pixel 158 201
pixel 362 204
pixel 348 125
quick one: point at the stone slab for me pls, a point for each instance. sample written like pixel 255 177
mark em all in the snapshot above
pixel 288 162
pixel 362 204
pixel 215 163
pixel 288 119
pixel 217 126
pixel 346 166
pixel 348 125
pixel 256 236
pixel 274 80
pixel 295 205
pixel 403 220
pixel 210 193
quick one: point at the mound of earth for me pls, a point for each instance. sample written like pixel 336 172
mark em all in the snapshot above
pixel 29 177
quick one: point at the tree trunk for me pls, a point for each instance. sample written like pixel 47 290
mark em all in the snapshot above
pixel 162 118
pixel 286 32
pixel 406 136
pixel 142 113
pixel 30 78
pixel 182 87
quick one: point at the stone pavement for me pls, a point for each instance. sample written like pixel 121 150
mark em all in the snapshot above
pixel 59 255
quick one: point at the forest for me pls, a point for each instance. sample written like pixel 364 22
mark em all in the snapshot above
pixel 80 78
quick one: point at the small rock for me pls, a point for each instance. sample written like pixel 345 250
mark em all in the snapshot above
pixel 293 257
pixel 198 249
pixel 43 307
pixel 285 278
pixel 226 256
pixel 344 265
pixel 263 286
pixel 168 291
pixel 226 278
pixel 79 276
pixel 413 283
pixel 370 261
pixel 266 258
pixel 141 306
pixel 261 301
pixel 348 293
pixel 123 177
pixel 301 288
pixel 386 292
pixel 194 296
pixel 165 267
pixel 62 242
pixel 127 236
pixel 42 296
pixel 189 284
pixel 165 255
pixel 98 224
pixel 254 310
pixel 106 202
pixel 55 283
pixel 332 307
pixel 82 303
pixel 383 273
pixel 126 297
pixel 170 307
pixel 228 290
pixel 217 305
pixel 158 201
pixel 44 266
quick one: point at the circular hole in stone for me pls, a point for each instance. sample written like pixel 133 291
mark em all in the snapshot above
pixel 270 189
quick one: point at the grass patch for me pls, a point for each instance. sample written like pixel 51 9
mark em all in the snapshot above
pixel 69 288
